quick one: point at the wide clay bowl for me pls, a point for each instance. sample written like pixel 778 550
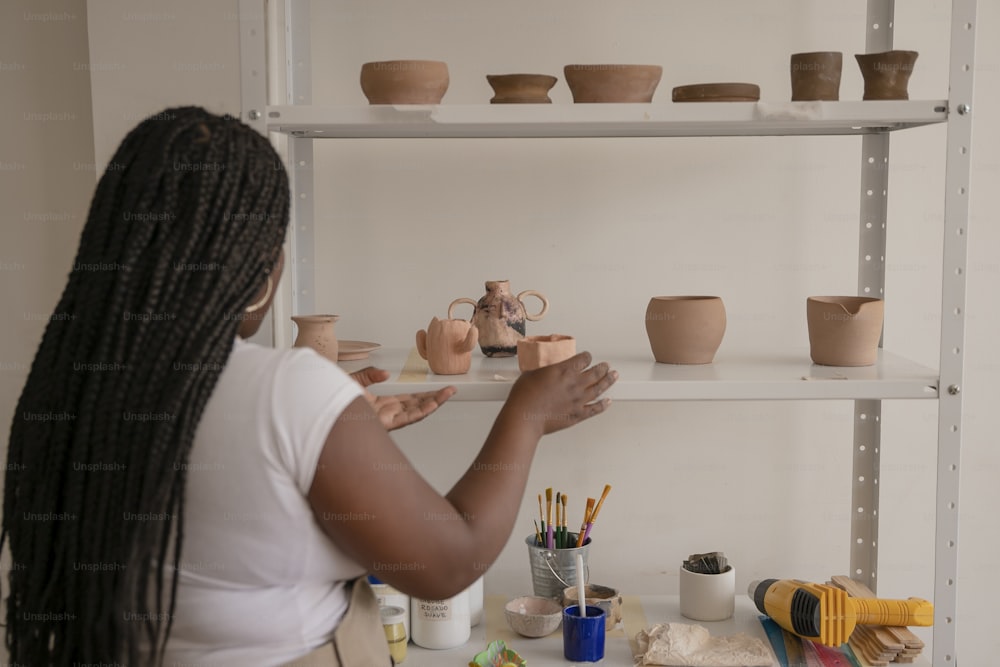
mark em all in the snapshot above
pixel 612 83
pixel 716 92
pixel 537 351
pixel 844 330
pixel 404 81
pixel 685 329
pixel 887 74
pixel 607 598
pixel 521 88
pixel 533 616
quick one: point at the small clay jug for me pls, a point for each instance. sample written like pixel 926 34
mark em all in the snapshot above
pixel 447 345
pixel 537 351
pixel 316 331
pixel 685 329
pixel 500 317
pixel 844 330
pixel 886 74
pixel 816 75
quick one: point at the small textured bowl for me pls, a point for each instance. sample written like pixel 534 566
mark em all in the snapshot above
pixel 537 351
pixel 404 81
pixel 612 83
pixel 540 617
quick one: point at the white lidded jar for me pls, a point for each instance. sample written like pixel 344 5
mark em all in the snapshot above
pixel 389 596
pixel 440 624
pixel 476 602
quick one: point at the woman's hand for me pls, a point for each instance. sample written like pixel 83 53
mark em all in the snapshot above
pixel 399 410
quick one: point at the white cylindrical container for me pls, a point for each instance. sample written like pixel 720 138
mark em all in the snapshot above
pixel 440 624
pixel 708 597
pixel 476 602
pixel 388 596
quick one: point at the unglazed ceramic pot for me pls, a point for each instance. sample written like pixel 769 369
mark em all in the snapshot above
pixel 447 345
pixel 500 317
pixel 685 329
pixel 404 81
pixel 816 75
pixel 521 88
pixel 612 83
pixel 844 330
pixel 887 74
pixel 316 331
pixel 607 598
pixel 537 351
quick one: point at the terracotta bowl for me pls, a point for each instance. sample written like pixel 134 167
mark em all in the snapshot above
pixel 716 92
pixel 844 330
pixel 607 598
pixel 887 74
pixel 404 81
pixel 533 616
pixel 612 83
pixel 685 329
pixel 521 88
pixel 816 75
pixel 537 351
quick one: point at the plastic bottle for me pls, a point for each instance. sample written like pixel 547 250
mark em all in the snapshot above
pixel 388 596
pixel 441 624
pixel 476 602
pixel 395 634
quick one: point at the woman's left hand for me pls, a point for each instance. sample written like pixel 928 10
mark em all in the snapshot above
pixel 399 410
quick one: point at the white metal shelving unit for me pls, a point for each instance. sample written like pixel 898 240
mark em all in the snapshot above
pixel 275 99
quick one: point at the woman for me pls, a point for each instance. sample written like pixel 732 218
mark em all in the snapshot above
pixel 177 495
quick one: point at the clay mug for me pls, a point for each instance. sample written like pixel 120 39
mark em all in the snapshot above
pixel 316 331
pixel 685 329
pixel 447 345
pixel 844 330
pixel 500 317
pixel 607 598
pixel 816 75
pixel 537 351
pixel 886 74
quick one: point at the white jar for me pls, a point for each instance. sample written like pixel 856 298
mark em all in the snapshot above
pixel 441 624
pixel 389 596
pixel 476 602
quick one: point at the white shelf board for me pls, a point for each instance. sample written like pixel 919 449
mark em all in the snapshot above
pixel 604 120
pixel 776 375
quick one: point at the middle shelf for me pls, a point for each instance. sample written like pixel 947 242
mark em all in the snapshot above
pixel 733 376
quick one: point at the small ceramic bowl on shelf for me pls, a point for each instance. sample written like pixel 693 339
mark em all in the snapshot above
pixel 404 81
pixel 521 88
pixel 533 616
pixel 717 92
pixel 537 351
pixel 612 83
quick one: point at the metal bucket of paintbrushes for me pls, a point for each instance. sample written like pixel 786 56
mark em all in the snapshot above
pixel 553 570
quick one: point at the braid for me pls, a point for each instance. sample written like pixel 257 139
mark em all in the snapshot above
pixel 185 222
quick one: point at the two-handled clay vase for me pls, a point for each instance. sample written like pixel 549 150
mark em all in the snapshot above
pixel 447 345
pixel 500 317
pixel 316 331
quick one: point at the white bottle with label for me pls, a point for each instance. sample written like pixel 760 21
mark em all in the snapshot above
pixel 389 596
pixel 440 624
pixel 476 602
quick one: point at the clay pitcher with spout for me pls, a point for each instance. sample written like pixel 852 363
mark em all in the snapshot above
pixel 500 316
pixel 447 345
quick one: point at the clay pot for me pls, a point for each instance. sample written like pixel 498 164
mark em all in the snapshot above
pixel 316 331
pixel 521 88
pixel 685 329
pixel 533 616
pixel 716 92
pixel 404 81
pixel 887 74
pixel 844 330
pixel 607 598
pixel 612 83
pixel 537 351
pixel 447 346
pixel 816 75
pixel 500 317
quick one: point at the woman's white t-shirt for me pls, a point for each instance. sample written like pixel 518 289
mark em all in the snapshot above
pixel 260 582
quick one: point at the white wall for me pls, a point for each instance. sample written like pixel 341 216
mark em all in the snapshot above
pixel 601 225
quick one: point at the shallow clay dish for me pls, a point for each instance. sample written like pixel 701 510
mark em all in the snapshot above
pixel 404 81
pixel 349 350
pixel 612 83
pixel 521 88
pixel 533 616
pixel 717 92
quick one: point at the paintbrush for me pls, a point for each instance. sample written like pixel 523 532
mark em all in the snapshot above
pixel 538 533
pixel 558 537
pixel 597 508
pixel 541 517
pixel 548 516
pixel 586 519
pixel 562 528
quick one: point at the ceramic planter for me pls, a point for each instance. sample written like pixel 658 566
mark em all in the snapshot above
pixel 316 331
pixel 816 75
pixel 404 81
pixel 887 74
pixel 500 317
pixel 612 83
pixel 521 88
pixel 447 346
pixel 537 351
pixel 844 330
pixel 685 329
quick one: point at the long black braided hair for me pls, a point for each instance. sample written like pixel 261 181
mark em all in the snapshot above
pixel 186 222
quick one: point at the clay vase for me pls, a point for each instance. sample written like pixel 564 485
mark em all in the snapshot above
pixel 521 88
pixel 844 330
pixel 404 81
pixel 816 75
pixel 685 329
pixel 886 74
pixel 316 331
pixel 537 351
pixel 500 317
pixel 447 346
pixel 612 83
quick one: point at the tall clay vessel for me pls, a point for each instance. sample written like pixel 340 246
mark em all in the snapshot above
pixel 500 317
pixel 844 330
pixel 685 329
pixel 447 346
pixel 886 74
pixel 316 331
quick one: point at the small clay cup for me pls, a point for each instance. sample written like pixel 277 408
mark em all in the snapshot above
pixel 447 345
pixel 612 83
pixel 607 598
pixel 816 75
pixel 887 74
pixel 685 329
pixel 533 616
pixel 844 330
pixel 521 88
pixel 317 332
pixel 404 81
pixel 537 351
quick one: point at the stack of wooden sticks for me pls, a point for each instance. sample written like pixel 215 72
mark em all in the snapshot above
pixel 879 644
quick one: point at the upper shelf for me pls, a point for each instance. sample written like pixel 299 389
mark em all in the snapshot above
pixel 604 120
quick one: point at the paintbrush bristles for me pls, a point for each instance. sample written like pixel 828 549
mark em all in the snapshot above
pixel 607 488
pixel 586 518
